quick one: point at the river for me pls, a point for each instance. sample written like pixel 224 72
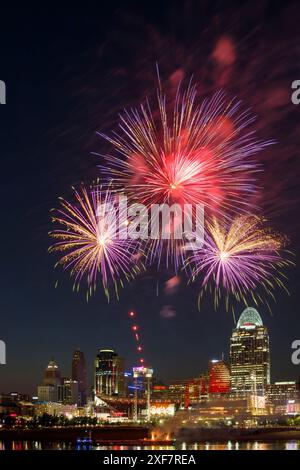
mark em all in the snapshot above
pixel 229 445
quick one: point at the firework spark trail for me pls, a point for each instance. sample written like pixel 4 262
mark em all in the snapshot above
pixel 238 260
pixel 196 154
pixel 135 329
pixel 90 241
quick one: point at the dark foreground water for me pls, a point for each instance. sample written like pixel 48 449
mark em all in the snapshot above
pixel 229 445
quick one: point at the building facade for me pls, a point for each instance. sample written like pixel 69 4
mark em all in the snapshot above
pixel 52 374
pixel 218 377
pixel 280 395
pixel 47 393
pixel 109 373
pixel 249 355
pixel 67 392
pixel 48 390
pixel 177 390
pixel 79 375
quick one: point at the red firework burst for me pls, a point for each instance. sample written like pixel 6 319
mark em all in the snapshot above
pixel 196 154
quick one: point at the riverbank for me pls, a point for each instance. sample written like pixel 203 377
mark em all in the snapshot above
pixel 138 434
pixel 71 434
pixel 240 434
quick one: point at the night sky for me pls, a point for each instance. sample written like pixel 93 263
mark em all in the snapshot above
pixel 68 73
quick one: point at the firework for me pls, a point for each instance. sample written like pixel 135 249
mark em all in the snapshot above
pixel 240 261
pixel 195 154
pixel 91 242
pixel 135 329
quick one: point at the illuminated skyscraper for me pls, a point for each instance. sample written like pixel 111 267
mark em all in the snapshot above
pixel 109 373
pixel 249 354
pixel 79 375
pixel 48 391
pixel 52 374
pixel 68 392
pixel 219 377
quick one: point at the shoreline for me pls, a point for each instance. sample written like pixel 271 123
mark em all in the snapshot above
pixel 141 435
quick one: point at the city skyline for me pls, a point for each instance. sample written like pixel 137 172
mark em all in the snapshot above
pixel 231 358
pixel 188 372
pixel 229 400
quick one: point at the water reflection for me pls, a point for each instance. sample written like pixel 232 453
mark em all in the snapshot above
pixel 292 445
pixel 229 445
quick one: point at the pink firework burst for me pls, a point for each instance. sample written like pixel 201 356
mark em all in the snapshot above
pixel 91 242
pixel 240 261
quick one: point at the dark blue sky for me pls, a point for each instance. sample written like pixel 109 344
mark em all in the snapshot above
pixel 68 73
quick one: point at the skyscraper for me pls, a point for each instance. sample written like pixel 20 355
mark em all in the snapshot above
pixel 52 374
pixel 109 373
pixel 79 374
pixel 68 392
pixel 48 391
pixel 249 355
pixel 218 377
